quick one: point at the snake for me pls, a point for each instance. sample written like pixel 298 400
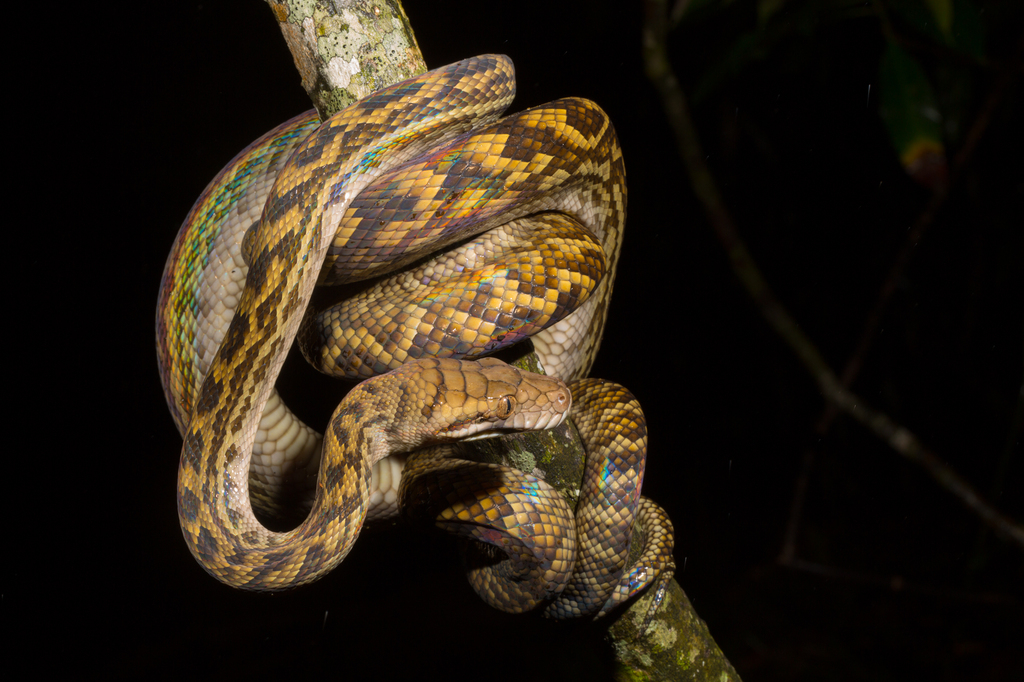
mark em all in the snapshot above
pixel 422 165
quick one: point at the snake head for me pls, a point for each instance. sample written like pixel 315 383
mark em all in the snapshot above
pixel 445 399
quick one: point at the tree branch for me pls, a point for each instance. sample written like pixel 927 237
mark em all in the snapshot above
pixel 1003 85
pixel 346 50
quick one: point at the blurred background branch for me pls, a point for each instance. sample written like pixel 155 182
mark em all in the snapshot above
pixel 836 391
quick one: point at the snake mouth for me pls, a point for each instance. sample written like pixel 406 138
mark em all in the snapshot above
pixel 471 432
pixel 535 418
pixel 537 421
pixel 487 434
pixel 517 424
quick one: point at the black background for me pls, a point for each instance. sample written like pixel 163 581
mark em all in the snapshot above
pixel 138 108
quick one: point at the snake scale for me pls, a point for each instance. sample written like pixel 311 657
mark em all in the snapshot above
pixel 413 169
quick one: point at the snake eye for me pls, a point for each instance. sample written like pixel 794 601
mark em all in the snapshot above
pixel 505 406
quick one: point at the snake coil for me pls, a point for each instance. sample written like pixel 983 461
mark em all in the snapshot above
pixel 533 205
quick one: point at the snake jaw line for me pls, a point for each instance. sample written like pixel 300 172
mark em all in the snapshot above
pixel 484 435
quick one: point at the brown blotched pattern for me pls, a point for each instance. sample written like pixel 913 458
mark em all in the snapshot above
pixel 298 223
pixel 561 164
pixel 509 284
pixel 526 522
pixel 561 156
pixel 534 552
pixel 655 564
pixel 409 170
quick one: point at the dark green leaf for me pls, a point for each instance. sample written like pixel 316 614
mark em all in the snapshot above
pixel 912 117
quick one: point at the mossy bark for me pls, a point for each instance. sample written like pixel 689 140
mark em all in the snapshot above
pixel 346 49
